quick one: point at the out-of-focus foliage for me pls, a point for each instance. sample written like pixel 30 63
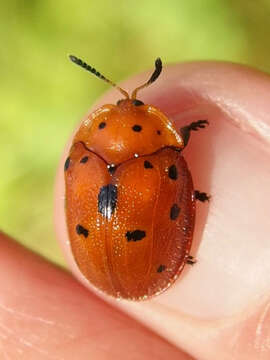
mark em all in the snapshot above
pixel 42 96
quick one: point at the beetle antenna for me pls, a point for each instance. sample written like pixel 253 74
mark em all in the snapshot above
pixel 154 76
pixel 87 67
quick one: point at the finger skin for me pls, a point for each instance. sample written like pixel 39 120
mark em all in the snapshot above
pixel 229 160
pixel 46 314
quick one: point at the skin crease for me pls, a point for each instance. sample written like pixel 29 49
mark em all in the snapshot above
pixel 219 308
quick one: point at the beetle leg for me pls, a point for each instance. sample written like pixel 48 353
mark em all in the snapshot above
pixel 191 260
pixel 194 126
pixel 202 196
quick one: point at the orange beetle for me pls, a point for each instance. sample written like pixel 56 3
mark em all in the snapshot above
pixel 130 203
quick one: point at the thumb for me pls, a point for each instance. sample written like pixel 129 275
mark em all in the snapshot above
pixel 231 242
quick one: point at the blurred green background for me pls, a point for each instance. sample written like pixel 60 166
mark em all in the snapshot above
pixel 43 96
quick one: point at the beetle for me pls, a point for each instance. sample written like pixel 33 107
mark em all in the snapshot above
pixel 130 202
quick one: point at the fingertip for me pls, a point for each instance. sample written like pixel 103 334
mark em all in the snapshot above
pixel 219 157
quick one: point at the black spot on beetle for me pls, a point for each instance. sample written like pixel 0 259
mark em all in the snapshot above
pixel 158 132
pixel 137 102
pixel 67 162
pixel 107 199
pixel 102 125
pixel 175 211
pixel 111 169
pixel 148 165
pixel 137 128
pixel 135 235
pixel 84 159
pixel 173 173
pixel 80 230
pixel 161 268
